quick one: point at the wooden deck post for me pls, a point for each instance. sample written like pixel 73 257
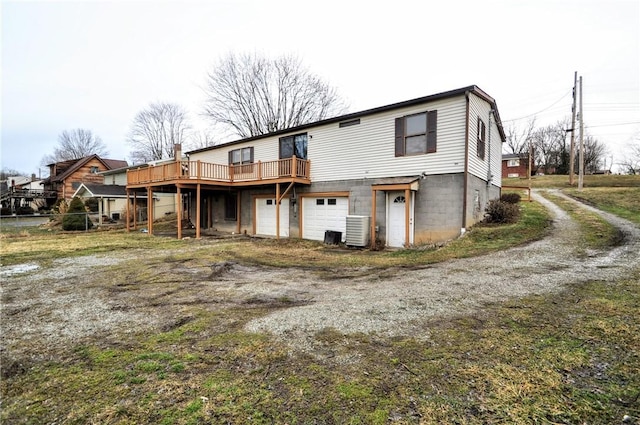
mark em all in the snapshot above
pixel 135 211
pixel 278 211
pixel 126 211
pixel 179 211
pixel 198 208
pixel 149 210
pixel 373 218
pixel 294 166
pixel 407 216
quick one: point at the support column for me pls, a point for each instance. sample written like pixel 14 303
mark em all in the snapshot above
pixel 239 212
pixel 373 218
pixel 179 211
pixel 407 216
pixel 100 211
pixel 149 210
pixel 277 210
pixel 198 211
pixel 135 211
pixel 126 211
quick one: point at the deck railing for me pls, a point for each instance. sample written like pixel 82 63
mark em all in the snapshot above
pixel 197 170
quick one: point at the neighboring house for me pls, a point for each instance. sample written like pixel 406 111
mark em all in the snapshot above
pixel 414 172
pixel 65 177
pixel 515 165
pixel 112 196
pixel 21 191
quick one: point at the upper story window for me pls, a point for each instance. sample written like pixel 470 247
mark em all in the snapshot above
pixel 481 140
pixel 294 145
pixel 416 134
pixel 513 163
pixel 241 156
pixel 94 169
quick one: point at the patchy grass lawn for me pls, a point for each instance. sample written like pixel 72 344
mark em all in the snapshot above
pixel 35 245
pixel 597 233
pixel 568 357
pixel 562 181
pixel 624 202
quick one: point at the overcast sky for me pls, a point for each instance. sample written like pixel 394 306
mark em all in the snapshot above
pixel 94 65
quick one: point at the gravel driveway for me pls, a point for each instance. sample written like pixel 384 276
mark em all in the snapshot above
pixel 57 306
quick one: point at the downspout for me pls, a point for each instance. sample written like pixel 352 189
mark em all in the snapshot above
pixel 466 167
pixel 489 175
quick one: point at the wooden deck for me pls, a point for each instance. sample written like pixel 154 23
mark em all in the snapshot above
pixel 193 172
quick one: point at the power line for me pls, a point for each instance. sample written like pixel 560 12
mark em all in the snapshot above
pixel 542 110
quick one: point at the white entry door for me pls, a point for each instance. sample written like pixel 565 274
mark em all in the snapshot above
pixel 266 217
pixel 396 218
pixel 322 214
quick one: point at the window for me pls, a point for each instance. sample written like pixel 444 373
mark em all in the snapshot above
pixel 319 201
pixel 94 170
pixel 332 201
pixel 230 206
pixel 349 123
pixel 416 134
pixel 513 163
pixel 294 145
pixel 481 138
pixel 242 157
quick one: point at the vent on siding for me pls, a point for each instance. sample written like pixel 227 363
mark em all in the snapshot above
pixel 358 230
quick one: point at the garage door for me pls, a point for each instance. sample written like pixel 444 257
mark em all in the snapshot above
pixel 266 217
pixel 322 214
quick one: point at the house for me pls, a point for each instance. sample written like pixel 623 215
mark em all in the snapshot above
pixel 18 192
pixel 413 172
pixel 112 196
pixel 515 165
pixel 65 177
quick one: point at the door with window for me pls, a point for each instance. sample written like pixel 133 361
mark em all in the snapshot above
pixel 290 146
pixel 396 218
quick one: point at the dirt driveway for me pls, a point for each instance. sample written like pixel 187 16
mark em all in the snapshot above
pixel 102 298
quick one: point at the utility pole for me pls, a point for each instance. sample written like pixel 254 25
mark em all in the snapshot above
pixel 573 131
pixel 581 159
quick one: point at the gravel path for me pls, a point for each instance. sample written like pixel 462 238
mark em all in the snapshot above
pixel 65 303
pixel 393 304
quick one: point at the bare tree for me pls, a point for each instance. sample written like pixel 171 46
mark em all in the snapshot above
pixel 518 138
pixel 76 144
pixel 594 154
pixel 253 95
pixel 155 130
pixel 550 147
pixel 631 162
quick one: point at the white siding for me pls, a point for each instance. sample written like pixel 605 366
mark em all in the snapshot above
pixel 493 148
pixel 367 150
pixel 266 149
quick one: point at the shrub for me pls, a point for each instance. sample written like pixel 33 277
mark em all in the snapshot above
pixel 498 211
pixel 510 198
pixel 91 204
pixel 74 219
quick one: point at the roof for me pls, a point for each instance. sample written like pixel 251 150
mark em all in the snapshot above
pixel 444 95
pixel 102 190
pixel 506 156
pixel 73 167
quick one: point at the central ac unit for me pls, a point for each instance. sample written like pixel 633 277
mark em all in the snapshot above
pixel 358 230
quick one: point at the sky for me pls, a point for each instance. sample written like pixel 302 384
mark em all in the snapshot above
pixel 96 64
